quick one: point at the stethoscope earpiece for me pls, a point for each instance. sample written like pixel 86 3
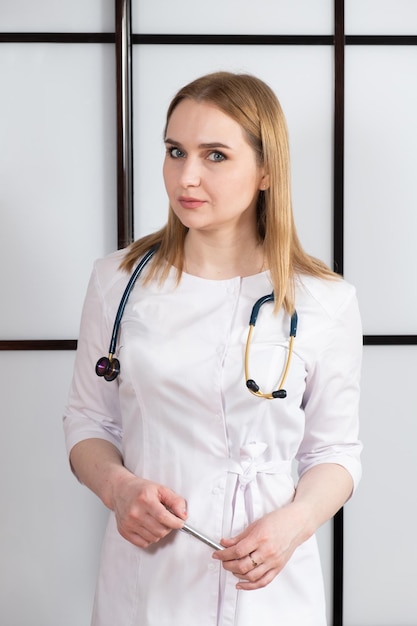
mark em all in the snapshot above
pixel 108 367
pixel 279 393
pixel 251 385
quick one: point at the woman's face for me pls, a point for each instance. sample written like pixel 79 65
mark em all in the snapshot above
pixel 210 171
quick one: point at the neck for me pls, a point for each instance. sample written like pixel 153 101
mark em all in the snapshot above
pixel 222 258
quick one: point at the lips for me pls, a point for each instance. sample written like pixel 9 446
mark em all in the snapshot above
pixel 190 203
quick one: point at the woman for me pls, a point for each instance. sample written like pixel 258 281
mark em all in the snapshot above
pixel 184 433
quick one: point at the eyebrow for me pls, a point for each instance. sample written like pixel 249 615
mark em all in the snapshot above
pixel 213 144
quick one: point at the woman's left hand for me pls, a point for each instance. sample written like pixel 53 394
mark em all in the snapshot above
pixel 261 551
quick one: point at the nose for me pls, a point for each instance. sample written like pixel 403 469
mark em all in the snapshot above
pixel 190 173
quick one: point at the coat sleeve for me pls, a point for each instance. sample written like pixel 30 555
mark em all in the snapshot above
pixel 331 398
pixel 93 409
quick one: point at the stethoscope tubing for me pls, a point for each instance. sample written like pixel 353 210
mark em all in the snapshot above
pixel 123 301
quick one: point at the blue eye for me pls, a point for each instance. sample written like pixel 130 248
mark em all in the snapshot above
pixel 175 153
pixel 217 157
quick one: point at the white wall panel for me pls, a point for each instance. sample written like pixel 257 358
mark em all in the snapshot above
pixel 60 16
pixel 380 17
pixel 380 185
pixel 57 182
pixel 300 17
pixel 50 526
pixel 301 76
pixel 381 520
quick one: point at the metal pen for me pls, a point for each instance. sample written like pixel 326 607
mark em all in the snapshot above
pixel 198 535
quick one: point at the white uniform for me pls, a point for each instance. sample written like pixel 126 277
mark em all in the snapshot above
pixel 182 416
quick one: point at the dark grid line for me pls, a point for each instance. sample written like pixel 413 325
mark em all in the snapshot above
pixel 124 123
pixel 338 261
pixel 243 40
pixel 381 40
pixel 71 344
pixel 57 38
pixel 165 39
pixel 390 340
pixel 38 344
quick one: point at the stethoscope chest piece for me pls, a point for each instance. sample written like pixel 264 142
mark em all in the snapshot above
pixel 108 367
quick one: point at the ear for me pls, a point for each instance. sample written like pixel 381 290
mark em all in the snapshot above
pixel 264 184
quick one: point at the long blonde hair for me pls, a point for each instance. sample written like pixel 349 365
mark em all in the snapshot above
pixel 253 105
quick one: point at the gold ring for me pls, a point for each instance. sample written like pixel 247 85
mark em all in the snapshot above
pixel 254 563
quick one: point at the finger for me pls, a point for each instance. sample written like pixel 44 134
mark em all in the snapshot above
pixel 174 503
pixel 148 528
pixel 233 541
pixel 253 559
pixel 243 567
pixel 140 538
pixel 229 542
pixel 256 582
pixel 147 533
pixel 234 551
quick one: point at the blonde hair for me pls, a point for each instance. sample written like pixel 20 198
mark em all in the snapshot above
pixel 253 105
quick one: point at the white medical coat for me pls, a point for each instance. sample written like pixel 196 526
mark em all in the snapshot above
pixel 181 415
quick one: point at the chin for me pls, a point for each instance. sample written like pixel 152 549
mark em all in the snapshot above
pixel 190 220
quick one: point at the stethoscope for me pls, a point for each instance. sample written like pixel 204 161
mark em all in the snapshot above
pixel 109 366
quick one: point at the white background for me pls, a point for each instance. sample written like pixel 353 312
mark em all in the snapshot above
pixel 58 213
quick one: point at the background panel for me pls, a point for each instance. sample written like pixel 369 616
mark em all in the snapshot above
pixel 301 76
pixel 380 185
pixel 57 182
pixel 380 574
pixel 59 16
pixel 50 526
pixel 381 17
pixel 300 17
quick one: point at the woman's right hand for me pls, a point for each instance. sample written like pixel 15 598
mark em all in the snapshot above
pixel 146 511
pixel 141 506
